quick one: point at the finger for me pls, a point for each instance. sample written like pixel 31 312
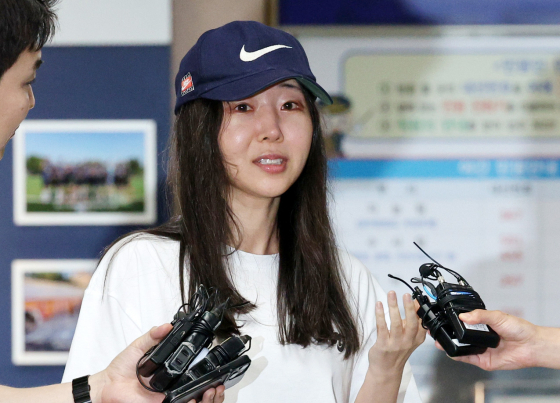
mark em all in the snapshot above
pixel 161 331
pixel 421 334
pixel 475 316
pixel 491 318
pixel 394 314
pixel 410 315
pixel 414 328
pixel 208 396
pixel 382 332
pixel 220 394
pixel 152 337
pixel 469 359
pixel 416 308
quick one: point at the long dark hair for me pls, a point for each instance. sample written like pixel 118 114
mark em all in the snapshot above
pixel 313 305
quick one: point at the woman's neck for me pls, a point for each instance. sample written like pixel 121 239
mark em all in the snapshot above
pixel 256 219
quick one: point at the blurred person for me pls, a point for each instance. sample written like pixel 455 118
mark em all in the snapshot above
pixel 522 344
pixel 25 26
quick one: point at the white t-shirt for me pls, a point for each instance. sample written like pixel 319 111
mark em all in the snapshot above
pixel 141 290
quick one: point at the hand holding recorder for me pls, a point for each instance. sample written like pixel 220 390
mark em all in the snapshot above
pixel 441 317
pixel 522 344
pixel 172 363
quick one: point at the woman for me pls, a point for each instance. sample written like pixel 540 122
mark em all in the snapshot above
pixel 248 179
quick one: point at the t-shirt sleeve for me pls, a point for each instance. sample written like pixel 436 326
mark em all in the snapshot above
pixel 366 292
pixel 106 325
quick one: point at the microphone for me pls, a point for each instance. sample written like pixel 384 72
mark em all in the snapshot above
pixel 218 356
pixel 427 269
pixel 201 336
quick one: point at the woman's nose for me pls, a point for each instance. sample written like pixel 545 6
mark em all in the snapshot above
pixel 269 126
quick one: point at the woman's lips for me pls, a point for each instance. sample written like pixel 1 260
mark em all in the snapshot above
pixel 271 163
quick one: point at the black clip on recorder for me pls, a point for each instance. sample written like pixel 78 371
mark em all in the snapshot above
pixel 441 317
pixel 169 362
pixel 224 365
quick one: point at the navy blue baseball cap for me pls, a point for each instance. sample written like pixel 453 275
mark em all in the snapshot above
pixel 238 60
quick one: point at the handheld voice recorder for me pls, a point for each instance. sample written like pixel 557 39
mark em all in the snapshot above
pixel 170 363
pixel 441 317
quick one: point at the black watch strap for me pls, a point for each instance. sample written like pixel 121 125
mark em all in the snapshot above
pixel 80 390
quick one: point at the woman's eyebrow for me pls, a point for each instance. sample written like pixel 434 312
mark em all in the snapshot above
pixel 38 64
pixel 290 85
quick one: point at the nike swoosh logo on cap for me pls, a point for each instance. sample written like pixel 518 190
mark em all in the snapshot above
pixel 250 56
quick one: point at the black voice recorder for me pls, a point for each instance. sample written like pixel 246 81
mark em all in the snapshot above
pixel 169 362
pixel 441 317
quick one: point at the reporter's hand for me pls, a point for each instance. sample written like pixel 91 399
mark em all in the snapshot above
pixel 517 341
pixel 212 395
pixel 119 382
pixel 395 345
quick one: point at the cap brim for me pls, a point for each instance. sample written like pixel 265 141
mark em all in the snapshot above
pixel 247 86
pixel 316 90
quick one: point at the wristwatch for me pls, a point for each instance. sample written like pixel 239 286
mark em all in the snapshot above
pixel 80 390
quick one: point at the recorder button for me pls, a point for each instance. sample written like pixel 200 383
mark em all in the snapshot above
pixel 177 339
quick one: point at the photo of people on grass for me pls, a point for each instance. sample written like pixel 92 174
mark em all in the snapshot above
pixel 100 172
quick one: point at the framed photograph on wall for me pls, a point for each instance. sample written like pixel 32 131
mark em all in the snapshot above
pixel 85 172
pixel 46 300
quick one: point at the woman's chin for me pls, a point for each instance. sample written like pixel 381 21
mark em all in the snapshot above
pixel 259 193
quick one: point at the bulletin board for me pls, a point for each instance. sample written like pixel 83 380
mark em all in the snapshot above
pixel 453 142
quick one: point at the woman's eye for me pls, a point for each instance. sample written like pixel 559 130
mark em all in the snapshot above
pixel 242 108
pixel 290 105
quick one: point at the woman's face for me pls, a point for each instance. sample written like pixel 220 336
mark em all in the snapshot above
pixel 265 140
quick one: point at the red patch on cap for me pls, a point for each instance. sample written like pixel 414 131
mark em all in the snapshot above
pixel 187 84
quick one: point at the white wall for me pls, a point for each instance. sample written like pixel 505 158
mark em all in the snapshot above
pixel 113 22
